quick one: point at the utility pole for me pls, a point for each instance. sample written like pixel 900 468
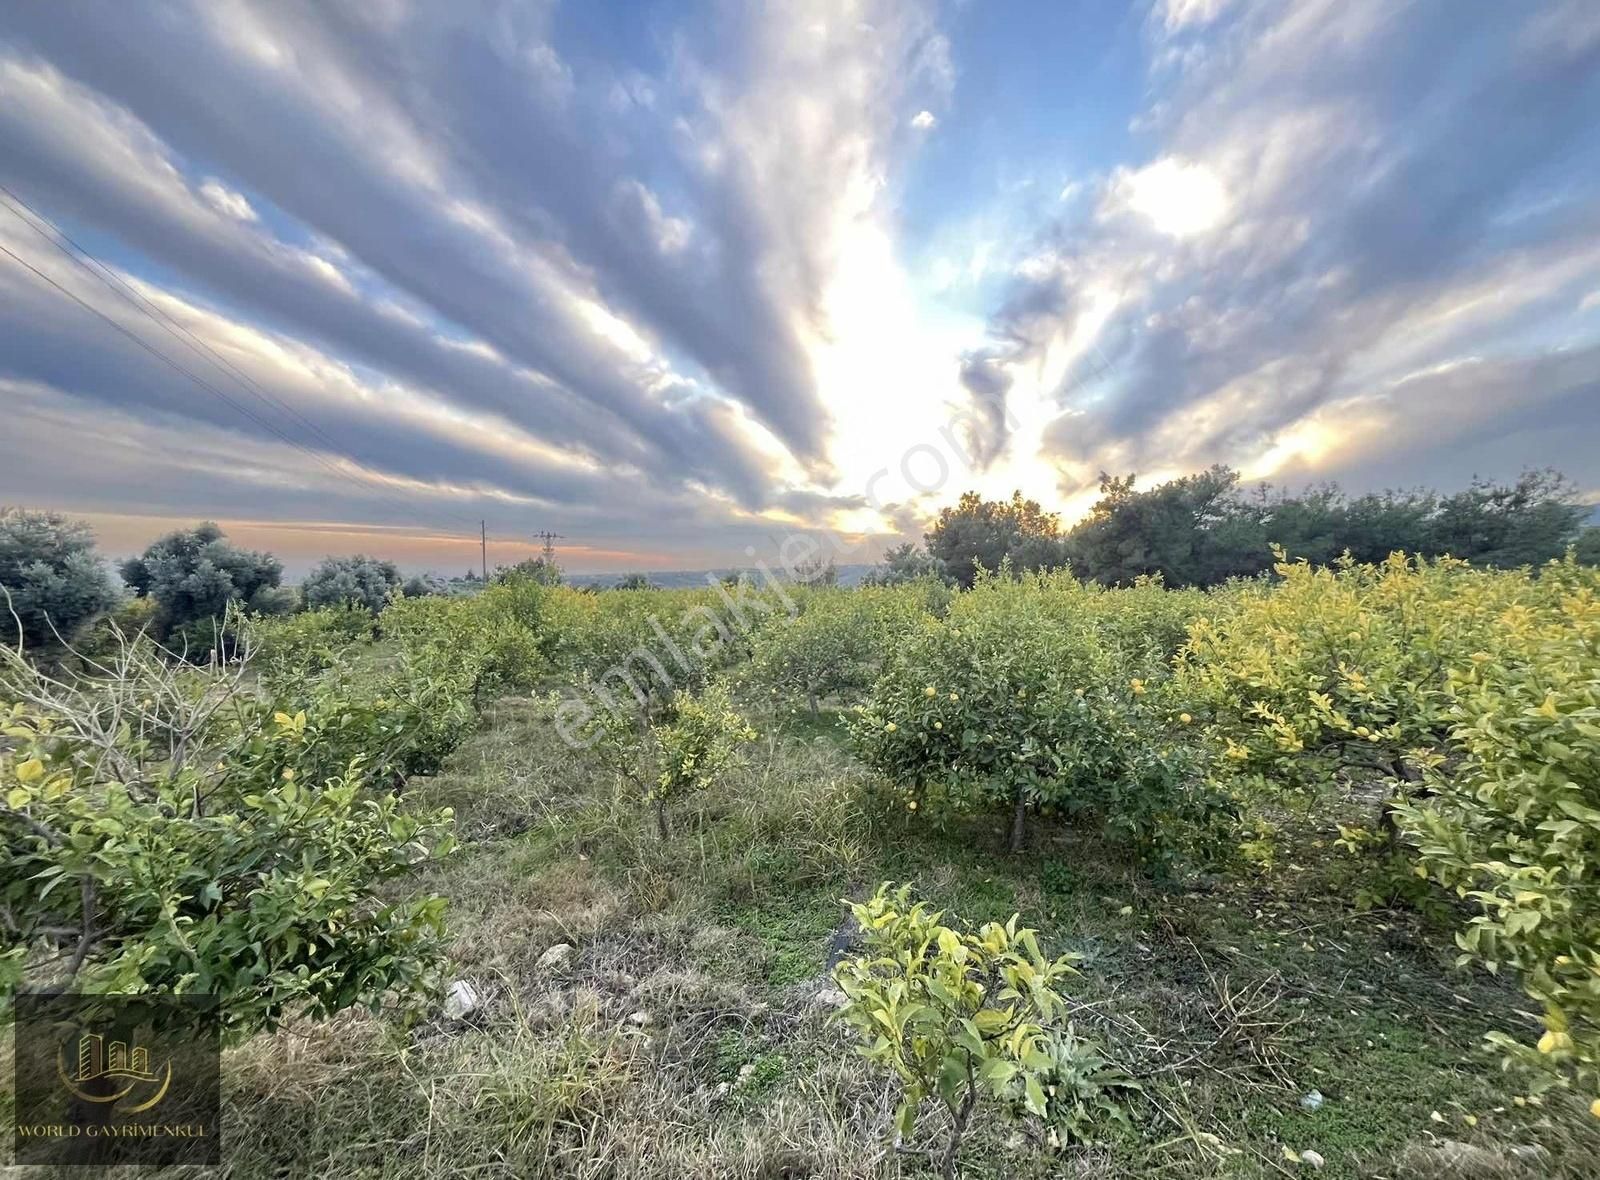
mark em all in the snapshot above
pixel 549 539
pixel 483 547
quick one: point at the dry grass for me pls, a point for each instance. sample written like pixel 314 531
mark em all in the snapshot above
pixel 1228 1000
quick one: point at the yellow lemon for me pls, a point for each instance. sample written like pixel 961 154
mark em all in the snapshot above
pixel 1552 1040
pixel 288 774
pixel 954 697
pixel 912 806
pixel 1185 718
pixel 938 724
pixel 929 691
pixel 890 728
pixel 1594 1108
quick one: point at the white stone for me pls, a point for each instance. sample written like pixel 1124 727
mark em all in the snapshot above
pixel 640 1019
pixel 830 997
pixel 557 956
pixel 1313 1158
pixel 461 1000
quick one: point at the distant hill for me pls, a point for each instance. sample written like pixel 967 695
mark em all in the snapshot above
pixel 849 575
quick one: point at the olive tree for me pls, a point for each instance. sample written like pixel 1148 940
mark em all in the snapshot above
pixel 194 576
pixel 53 579
pixel 351 581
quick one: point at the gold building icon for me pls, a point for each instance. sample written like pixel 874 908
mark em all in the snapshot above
pixel 96 1059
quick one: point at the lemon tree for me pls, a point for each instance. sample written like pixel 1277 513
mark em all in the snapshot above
pixel 1012 703
pixel 162 836
pixel 1512 822
pixel 675 757
pixel 1337 674
pixel 957 1016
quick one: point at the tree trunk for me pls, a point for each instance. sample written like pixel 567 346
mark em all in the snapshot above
pixel 1017 817
pixel 1412 777
pixel 811 700
pixel 662 828
pixel 963 1113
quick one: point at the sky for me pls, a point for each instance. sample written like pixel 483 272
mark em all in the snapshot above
pixel 696 283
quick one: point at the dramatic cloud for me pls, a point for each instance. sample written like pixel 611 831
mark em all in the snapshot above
pixel 1341 194
pixel 680 281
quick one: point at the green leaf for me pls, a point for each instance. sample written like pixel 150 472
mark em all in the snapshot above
pixel 1034 1095
pixel 905 1119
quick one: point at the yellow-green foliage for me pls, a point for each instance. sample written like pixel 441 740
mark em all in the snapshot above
pixel 679 755
pixel 638 647
pixel 954 1015
pixel 1020 698
pixel 1341 670
pixel 1513 820
pixel 1475 695
pixel 176 831
pixel 289 646
pixel 835 644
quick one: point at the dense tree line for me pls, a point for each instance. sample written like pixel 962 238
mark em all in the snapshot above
pixel 1205 528
pixel 180 589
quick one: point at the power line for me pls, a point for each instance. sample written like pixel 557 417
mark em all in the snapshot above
pixel 145 306
pixel 549 539
pixel 108 277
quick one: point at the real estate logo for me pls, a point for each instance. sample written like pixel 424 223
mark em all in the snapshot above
pixel 106 1080
pixel 116 1068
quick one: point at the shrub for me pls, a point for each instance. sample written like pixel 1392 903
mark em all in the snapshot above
pixel 478 641
pixel 1341 675
pixel 357 581
pixel 296 646
pixel 194 576
pixel 825 649
pixel 1339 672
pixel 1586 549
pixel 53 581
pixel 161 837
pixel 646 645
pixel 674 758
pixel 953 1015
pixel 1513 822
pixel 1008 704
pixel 424 586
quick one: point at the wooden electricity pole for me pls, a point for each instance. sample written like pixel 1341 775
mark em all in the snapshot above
pixel 483 547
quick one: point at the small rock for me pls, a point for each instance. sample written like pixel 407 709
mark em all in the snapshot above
pixel 557 956
pixel 830 997
pixel 461 1000
pixel 640 1019
pixel 744 1073
pixel 1313 1158
pixel 722 1089
pixel 1313 1100
pixel 1464 1159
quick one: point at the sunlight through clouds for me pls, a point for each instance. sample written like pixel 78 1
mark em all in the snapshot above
pixel 686 277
